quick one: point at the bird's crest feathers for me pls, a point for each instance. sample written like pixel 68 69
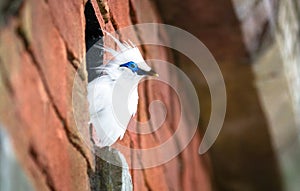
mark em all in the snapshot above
pixel 126 51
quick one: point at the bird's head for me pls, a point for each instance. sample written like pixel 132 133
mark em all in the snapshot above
pixel 134 67
pixel 128 56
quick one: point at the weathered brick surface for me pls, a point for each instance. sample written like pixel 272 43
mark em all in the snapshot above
pixel 40 51
pixel 41 48
pixel 37 131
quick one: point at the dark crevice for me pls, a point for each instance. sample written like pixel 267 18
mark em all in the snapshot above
pixel 22 34
pixel 93 34
pixel 132 13
pixel 75 62
pixel 72 59
pixel 4 77
pixel 102 4
pixel 93 31
pixel 34 156
pixel 9 8
pixel 71 137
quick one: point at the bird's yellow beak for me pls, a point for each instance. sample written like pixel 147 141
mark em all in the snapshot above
pixel 147 73
pixel 152 73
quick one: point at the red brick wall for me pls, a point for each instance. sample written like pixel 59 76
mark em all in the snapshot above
pixel 42 46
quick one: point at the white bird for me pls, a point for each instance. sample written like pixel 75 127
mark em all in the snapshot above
pixel 113 96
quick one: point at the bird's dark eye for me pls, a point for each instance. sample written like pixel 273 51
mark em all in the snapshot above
pixel 132 65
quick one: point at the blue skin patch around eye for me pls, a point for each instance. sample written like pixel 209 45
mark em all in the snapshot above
pixel 131 65
pixel 135 69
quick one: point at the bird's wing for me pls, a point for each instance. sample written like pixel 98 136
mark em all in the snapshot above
pixel 99 94
pixel 102 114
pixel 108 130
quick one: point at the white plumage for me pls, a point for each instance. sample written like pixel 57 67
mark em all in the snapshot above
pixel 110 89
